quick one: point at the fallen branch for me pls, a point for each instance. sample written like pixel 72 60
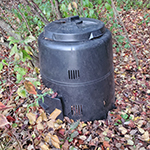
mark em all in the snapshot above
pixel 5 26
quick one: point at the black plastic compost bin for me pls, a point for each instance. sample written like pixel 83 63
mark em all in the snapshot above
pixel 76 61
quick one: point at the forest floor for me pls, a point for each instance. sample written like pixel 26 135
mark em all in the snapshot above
pixel 126 128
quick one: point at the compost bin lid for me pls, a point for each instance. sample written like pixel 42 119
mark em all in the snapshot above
pixel 74 29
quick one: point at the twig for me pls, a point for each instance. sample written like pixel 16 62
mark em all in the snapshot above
pixel 24 19
pixel 37 7
pixel 132 48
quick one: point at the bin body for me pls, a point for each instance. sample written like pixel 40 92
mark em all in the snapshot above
pixel 79 66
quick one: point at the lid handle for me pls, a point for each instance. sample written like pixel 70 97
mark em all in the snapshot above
pixel 73 18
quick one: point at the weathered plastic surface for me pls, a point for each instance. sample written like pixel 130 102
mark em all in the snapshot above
pixel 80 71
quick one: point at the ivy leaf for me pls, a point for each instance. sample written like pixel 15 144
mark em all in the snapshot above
pixel 19 77
pixel 99 1
pixel 118 9
pixel 21 92
pixel 109 1
pixel 108 7
pixel 63 7
pixel 91 12
pixel 13 50
pixel 4 62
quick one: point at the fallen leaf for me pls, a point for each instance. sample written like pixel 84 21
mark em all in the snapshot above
pixel 31 117
pixel 44 147
pixel 61 131
pixel 75 5
pixel 50 124
pixel 69 6
pixel 66 145
pixel 130 142
pixel 30 87
pixel 10 119
pixel 82 137
pixel 74 125
pixel 21 92
pixel 55 114
pixel 123 130
pixel 141 130
pixel 3 107
pixel 145 136
pixel 55 141
pixel 47 138
pixel 40 126
pixel 39 119
pixel 74 134
pixel 106 144
pixel 30 147
pixel 3 121
pixel 44 117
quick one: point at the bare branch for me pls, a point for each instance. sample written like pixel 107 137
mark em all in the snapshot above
pixel 8 29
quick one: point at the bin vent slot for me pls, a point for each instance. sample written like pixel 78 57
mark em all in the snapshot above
pixel 76 110
pixel 73 74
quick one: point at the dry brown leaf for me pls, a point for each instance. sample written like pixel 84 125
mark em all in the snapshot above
pixel 106 144
pixel 75 5
pixel 39 119
pixel 30 87
pixel 145 136
pixel 44 147
pixel 40 126
pixel 55 141
pixel 50 124
pixel 31 117
pixel 141 130
pixel 55 114
pixel 130 142
pixel 3 107
pixel 65 145
pixel 3 121
pixel 123 130
pixel 69 6
pixel 44 117
pixel 47 138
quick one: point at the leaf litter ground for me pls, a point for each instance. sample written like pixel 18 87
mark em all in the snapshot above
pixel 126 128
